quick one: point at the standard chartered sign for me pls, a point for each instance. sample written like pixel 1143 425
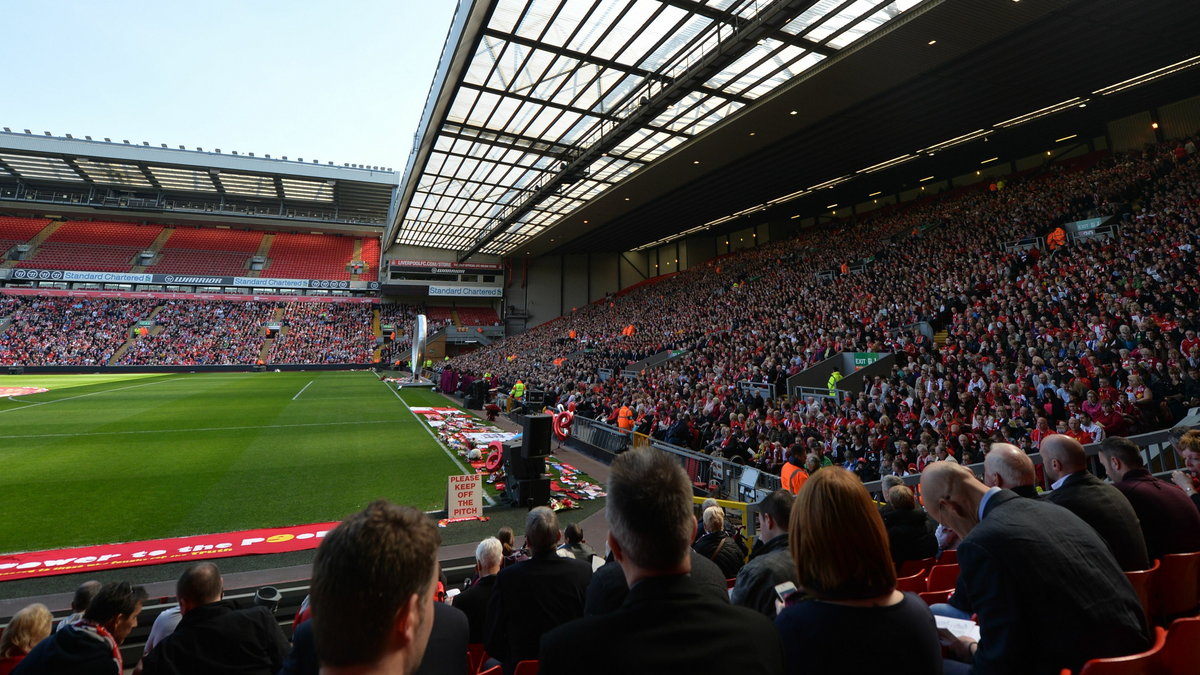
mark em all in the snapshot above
pixel 467 291
pixel 185 279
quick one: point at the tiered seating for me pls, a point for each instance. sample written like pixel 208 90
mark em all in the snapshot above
pixel 370 254
pixel 15 230
pixel 93 246
pixel 207 251
pixel 478 316
pixel 309 256
pixel 438 314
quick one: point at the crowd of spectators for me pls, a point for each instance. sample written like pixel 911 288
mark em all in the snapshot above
pixel 51 331
pixel 1096 337
pixel 199 333
pixel 85 331
pixel 320 332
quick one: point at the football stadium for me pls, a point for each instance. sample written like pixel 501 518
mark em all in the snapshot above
pixel 819 336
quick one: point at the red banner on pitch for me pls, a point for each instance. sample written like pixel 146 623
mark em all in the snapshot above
pixel 158 551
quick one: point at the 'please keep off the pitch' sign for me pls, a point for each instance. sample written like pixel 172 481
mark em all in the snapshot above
pixel 464 496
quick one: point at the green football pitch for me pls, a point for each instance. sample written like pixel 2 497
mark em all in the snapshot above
pixel 112 458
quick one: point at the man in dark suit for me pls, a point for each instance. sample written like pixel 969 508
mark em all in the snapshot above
pixel 1170 522
pixel 1048 593
pixel 667 624
pixel 1099 504
pixel 489 555
pixel 534 596
pixel 214 636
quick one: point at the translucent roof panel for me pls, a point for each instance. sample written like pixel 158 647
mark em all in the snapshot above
pixel 47 168
pixel 310 190
pixel 248 186
pixel 545 83
pixel 113 173
pixel 183 179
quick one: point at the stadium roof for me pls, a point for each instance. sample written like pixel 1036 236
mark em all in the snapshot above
pixel 575 125
pixel 552 102
pixel 174 178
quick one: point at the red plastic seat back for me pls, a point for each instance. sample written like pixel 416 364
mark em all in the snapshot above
pixel 1181 654
pixel 942 577
pixel 1145 663
pixel 1176 585
pixel 1143 584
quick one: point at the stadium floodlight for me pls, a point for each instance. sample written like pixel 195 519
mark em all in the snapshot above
pixel 163 144
pixel 126 142
pixel 47 133
pixel 180 147
pixel 143 142
pixel 107 139
pixel 7 130
pixel 90 138
pixel 250 153
pixel 28 131
pixel 70 137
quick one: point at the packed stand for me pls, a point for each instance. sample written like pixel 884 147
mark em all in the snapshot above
pixel 1097 337
pixel 55 331
pixel 202 333
pixel 325 332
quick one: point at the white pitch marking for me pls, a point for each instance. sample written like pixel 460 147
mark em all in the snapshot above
pixel 94 393
pixel 490 501
pixel 302 390
pixel 184 431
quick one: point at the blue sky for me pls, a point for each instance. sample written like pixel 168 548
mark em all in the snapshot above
pixel 334 81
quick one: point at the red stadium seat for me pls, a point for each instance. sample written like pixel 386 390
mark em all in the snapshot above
pixel 915 583
pixel 494 670
pixel 911 567
pixel 1148 662
pixel 942 577
pixel 526 668
pixel 1181 655
pixel 1177 585
pixel 934 597
pixel 476 657
pixel 1143 585
pixel 948 557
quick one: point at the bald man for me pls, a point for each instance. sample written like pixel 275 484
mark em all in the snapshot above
pixel 1099 504
pixel 1007 466
pixel 1048 593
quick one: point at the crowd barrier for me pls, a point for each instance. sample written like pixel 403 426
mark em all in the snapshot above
pixel 706 472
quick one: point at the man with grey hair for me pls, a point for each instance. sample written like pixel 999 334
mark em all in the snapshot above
pixel 668 623
pixel 1007 466
pixel 534 596
pixel 489 555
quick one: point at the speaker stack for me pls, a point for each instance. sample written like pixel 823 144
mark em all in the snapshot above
pixel 525 463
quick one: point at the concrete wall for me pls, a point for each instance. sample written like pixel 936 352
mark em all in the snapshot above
pixel 1131 133
pixel 1180 119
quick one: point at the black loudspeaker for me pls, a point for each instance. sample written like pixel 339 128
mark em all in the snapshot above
pixel 536 437
pixel 473 402
pixel 519 467
pixel 16 370
pixel 480 388
pixel 529 493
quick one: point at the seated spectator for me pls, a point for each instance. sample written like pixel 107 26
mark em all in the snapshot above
pixel 1188 447
pixel 213 635
pixel 668 624
pixel 534 596
pixel 508 542
pixel 848 582
pixel 770 563
pixel 474 600
pixel 1046 589
pixel 91 645
pixel 27 627
pixel 1007 466
pixel 909 529
pixel 374 578
pixel 79 602
pixel 576 545
pixel 1170 522
pixel 1097 503
pixel 716 544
